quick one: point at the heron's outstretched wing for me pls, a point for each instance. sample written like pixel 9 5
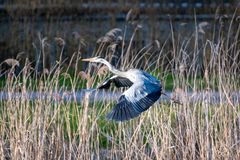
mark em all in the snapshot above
pixel 118 81
pixel 137 99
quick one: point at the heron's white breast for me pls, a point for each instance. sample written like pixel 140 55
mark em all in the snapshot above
pixel 137 76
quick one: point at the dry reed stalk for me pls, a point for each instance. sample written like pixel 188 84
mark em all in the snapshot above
pixel 11 62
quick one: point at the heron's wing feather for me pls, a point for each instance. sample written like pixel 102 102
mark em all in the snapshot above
pixel 134 101
pixel 106 84
pixel 118 81
pixel 121 82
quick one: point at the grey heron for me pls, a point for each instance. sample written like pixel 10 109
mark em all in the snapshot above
pixel 144 90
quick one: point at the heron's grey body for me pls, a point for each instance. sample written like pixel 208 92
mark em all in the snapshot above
pixel 144 90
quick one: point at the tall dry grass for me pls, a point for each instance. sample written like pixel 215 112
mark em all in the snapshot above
pixel 50 127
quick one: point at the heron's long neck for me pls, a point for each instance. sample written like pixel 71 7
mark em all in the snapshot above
pixel 112 68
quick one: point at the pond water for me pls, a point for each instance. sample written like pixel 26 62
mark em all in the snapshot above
pixel 100 95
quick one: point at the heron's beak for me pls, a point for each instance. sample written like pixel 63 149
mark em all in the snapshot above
pixel 88 59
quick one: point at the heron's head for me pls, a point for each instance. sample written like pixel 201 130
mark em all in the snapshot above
pixel 94 59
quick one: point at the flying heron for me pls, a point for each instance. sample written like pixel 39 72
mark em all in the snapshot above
pixel 144 91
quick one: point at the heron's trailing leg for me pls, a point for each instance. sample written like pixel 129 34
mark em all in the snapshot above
pixel 172 99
